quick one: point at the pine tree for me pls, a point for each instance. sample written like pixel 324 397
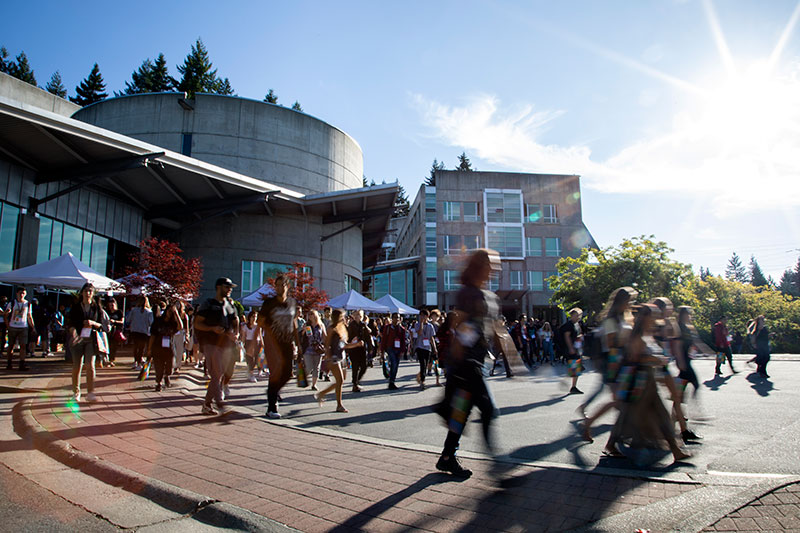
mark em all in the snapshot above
pixel 160 80
pixel 271 97
pixel 705 274
pixel 90 90
pixel 5 65
pixel 463 163
pixel 296 106
pixel 197 74
pixel 401 204
pixel 735 270
pixel 431 180
pixel 22 69
pixel 788 284
pixel 56 86
pixel 150 78
pixel 757 277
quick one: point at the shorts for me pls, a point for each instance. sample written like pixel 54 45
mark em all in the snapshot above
pixel 17 335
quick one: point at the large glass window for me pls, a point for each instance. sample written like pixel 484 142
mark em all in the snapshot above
pixel 45 233
pixel 352 283
pixel 503 207
pixel 380 285
pixel 99 257
pixel 8 236
pixel 430 284
pixel 550 214
pixel 55 243
pixel 533 213
pixel 72 241
pixel 506 240
pixel 471 242
pixel 494 282
pixel 430 242
pixel 56 238
pixel 409 299
pixel 552 247
pixel 535 281
pixel 533 246
pixel 398 284
pixel 256 273
pixel 471 212
pixel 452 244
pixel 515 279
pixel 451 280
pixel 452 211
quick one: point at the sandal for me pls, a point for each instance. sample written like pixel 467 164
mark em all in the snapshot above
pixel 320 398
pixel 342 409
pixel 614 454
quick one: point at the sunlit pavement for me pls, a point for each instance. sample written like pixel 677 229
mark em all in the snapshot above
pixel 372 468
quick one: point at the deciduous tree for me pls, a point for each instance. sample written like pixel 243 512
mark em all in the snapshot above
pixel 181 277
pixel 301 287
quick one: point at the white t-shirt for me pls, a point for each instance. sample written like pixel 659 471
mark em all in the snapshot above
pixel 249 333
pixel 19 314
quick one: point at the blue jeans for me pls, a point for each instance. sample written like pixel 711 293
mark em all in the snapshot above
pixel 394 363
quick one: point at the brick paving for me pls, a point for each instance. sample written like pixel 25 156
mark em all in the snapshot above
pixel 777 511
pixel 317 483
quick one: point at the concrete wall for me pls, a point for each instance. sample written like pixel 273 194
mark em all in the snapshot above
pixel 262 140
pixel 23 92
pixel 223 243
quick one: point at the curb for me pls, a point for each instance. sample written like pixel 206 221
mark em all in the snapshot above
pixel 186 502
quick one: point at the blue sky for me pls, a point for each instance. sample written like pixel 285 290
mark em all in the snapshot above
pixel 682 117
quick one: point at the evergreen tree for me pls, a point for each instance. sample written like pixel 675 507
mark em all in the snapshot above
pixel 705 274
pixel 463 163
pixel 150 78
pixel 197 74
pixel 90 90
pixel 735 270
pixel 431 180
pixel 401 204
pixel 271 97
pixel 160 80
pixel 56 86
pixel 757 277
pixel 788 284
pixel 364 181
pixel 5 65
pixel 296 106
pixel 22 69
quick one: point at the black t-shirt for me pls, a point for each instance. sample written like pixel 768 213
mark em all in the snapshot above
pixel 572 329
pixel 279 316
pixel 216 313
pixel 482 309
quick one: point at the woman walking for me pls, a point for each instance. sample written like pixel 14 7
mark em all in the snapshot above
pixel 760 334
pixel 253 344
pixel 312 343
pixel 86 321
pixel 335 345
pixel 475 333
pixel 546 338
pixel 162 335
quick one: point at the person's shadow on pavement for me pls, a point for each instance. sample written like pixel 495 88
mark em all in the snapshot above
pixel 761 385
pixel 716 382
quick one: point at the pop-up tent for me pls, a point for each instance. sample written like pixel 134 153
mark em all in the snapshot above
pixel 255 299
pixel 63 272
pixel 396 306
pixel 351 300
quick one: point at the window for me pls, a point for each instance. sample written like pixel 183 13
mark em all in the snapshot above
pixel 451 280
pixel 430 242
pixel 398 284
pixel 452 244
pixel 380 286
pixel 8 236
pixel 430 284
pixel 494 282
pixel 503 207
pixel 452 211
pixel 550 215
pixel 56 238
pixel 352 283
pixel 533 213
pixel 506 240
pixel 471 212
pixel 99 259
pixel 471 242
pixel 515 277
pixel 533 246
pixel 256 273
pixel 186 146
pixel 409 299
pixel 535 281
pixel 552 247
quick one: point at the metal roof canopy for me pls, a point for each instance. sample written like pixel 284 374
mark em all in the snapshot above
pixel 173 190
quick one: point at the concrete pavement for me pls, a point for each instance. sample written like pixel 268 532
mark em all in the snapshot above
pixel 158 444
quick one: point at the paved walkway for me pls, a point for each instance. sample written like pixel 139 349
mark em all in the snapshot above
pixel 778 510
pixel 316 482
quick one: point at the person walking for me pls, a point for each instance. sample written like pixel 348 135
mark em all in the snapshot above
pixel 424 345
pixel 217 326
pixel 19 318
pixel 760 334
pixel 116 337
pixel 335 346
pixel 278 322
pixel 139 321
pixel 393 343
pixel 162 337
pixel 86 320
pixel 570 337
pixel 359 331
pixel 546 340
pixel 312 343
pixel 722 343
pixel 475 332
pixel 253 344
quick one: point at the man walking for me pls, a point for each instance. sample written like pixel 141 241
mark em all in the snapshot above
pixel 424 345
pixel 217 326
pixel 393 343
pixel 278 322
pixel 722 342
pixel 571 339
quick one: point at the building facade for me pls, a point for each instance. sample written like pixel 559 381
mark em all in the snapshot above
pixel 532 220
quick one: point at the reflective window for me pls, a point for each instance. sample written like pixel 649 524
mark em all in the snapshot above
pixel 506 240
pixel 45 232
pixel 8 236
pixel 471 212
pixel 380 285
pixel 430 242
pixel 452 211
pixel 55 243
pixel 552 247
pixel 452 244
pixel 99 259
pixel 535 281
pixel 549 214
pixel 451 280
pixel 533 213
pixel 515 278
pixel 533 246
pixel 398 284
pixel 471 242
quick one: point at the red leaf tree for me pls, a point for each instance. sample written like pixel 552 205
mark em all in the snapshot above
pixel 159 270
pixel 301 287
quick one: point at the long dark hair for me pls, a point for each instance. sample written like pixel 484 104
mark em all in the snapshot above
pixel 477 261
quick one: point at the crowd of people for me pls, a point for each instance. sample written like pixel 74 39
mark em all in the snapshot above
pixel 635 346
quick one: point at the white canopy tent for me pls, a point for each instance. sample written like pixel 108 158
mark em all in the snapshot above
pixel 352 300
pixel 256 298
pixel 396 306
pixel 63 272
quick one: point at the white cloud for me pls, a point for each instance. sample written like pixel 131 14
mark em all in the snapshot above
pixel 740 147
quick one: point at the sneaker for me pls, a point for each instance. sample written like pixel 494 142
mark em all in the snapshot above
pixel 91 397
pixel 689 435
pixel 356 388
pixel 224 410
pixel 76 396
pixel 392 386
pixel 274 415
pixel 252 378
pixel 208 410
pixel 158 387
pixel 452 465
pixel 575 390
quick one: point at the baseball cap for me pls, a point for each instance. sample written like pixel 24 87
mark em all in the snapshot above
pixel 225 281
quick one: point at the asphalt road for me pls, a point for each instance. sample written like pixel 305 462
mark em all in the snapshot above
pixel 749 425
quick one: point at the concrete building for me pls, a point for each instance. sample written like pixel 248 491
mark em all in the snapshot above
pixel 247 186
pixel 531 219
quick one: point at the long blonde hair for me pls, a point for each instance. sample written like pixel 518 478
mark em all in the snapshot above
pixel 337 325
